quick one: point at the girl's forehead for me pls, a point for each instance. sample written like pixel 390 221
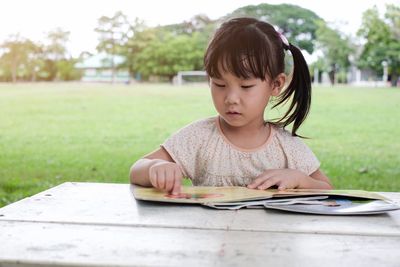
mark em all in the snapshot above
pixel 225 68
pixel 225 73
pixel 242 65
pixel 229 76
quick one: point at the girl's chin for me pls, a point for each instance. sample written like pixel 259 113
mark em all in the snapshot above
pixel 235 120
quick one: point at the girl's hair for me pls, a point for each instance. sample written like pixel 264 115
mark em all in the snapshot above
pixel 247 47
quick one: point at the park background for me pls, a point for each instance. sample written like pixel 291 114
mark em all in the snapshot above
pixel 70 115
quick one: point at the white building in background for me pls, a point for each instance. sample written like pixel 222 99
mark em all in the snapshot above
pixel 190 77
pixel 98 68
pixel 358 77
pixel 368 77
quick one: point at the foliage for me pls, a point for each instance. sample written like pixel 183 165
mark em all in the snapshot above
pixel 19 57
pixel 168 53
pixel 382 36
pixel 66 70
pixel 335 48
pixel 113 35
pixel 22 59
pixel 58 39
pixel 112 32
pixel 165 50
pixel 199 23
pixel 139 38
pixel 296 23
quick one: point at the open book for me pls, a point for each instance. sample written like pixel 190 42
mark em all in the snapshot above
pixel 333 202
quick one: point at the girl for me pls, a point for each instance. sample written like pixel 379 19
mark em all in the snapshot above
pixel 245 65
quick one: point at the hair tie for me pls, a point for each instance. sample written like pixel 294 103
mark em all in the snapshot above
pixel 286 44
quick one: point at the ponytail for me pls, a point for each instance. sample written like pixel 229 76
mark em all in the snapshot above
pixel 300 91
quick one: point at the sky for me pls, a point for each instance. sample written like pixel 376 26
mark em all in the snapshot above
pixel 33 19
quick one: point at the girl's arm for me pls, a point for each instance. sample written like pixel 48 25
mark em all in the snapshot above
pixel 156 169
pixel 318 180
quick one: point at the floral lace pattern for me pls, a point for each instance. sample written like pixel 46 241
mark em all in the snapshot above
pixel 209 159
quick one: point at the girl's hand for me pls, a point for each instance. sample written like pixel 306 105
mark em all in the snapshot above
pixel 283 178
pixel 167 176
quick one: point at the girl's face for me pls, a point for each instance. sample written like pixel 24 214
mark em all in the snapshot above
pixel 241 102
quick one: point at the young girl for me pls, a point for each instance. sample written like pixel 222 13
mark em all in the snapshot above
pixel 245 64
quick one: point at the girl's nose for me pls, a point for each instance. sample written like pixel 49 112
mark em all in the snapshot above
pixel 232 97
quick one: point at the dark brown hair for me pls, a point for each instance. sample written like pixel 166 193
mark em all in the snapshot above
pixel 247 47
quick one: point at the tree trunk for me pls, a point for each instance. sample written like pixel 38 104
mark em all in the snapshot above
pixel 394 79
pixel 112 70
pixel 14 71
pixel 332 77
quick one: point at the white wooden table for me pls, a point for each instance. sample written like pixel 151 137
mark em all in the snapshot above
pixel 94 224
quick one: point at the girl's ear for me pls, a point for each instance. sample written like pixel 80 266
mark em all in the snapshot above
pixel 278 84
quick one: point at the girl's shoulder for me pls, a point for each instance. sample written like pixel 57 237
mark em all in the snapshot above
pixel 287 141
pixel 281 132
pixel 201 123
pixel 199 127
pixel 285 137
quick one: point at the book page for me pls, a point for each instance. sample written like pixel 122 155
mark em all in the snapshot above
pixel 198 194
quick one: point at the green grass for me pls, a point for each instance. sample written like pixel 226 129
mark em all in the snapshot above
pixel 51 133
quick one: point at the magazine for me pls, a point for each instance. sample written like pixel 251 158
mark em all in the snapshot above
pixel 334 205
pixel 261 203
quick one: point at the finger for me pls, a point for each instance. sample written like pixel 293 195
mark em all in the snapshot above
pixel 282 188
pixel 285 184
pixel 268 183
pixel 177 183
pixel 258 181
pixel 153 178
pixel 169 184
pixel 169 180
pixel 161 179
pixel 177 186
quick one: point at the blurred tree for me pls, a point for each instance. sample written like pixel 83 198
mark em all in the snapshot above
pixel 19 56
pixel 382 41
pixel 392 16
pixel 336 49
pixel 168 53
pixel 56 51
pixel 25 60
pixel 34 62
pixel 198 23
pixel 48 70
pixel 139 36
pixel 162 50
pixel 66 70
pixel 296 23
pixel 113 35
pixel 57 48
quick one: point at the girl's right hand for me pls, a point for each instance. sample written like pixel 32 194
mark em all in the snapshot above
pixel 167 176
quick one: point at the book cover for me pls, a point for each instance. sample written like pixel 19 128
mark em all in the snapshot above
pixel 201 194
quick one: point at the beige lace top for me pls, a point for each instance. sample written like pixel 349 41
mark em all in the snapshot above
pixel 209 159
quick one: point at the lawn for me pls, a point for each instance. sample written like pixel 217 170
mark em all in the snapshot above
pixel 52 133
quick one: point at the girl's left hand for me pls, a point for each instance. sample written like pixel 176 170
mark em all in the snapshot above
pixel 283 178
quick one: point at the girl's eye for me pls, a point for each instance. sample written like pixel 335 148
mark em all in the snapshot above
pixel 219 85
pixel 247 86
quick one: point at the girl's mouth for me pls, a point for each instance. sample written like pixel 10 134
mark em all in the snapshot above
pixel 233 113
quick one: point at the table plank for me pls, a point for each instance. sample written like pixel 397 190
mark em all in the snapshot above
pixel 57 244
pixel 114 204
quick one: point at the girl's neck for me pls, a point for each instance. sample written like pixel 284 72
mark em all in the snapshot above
pixel 250 136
